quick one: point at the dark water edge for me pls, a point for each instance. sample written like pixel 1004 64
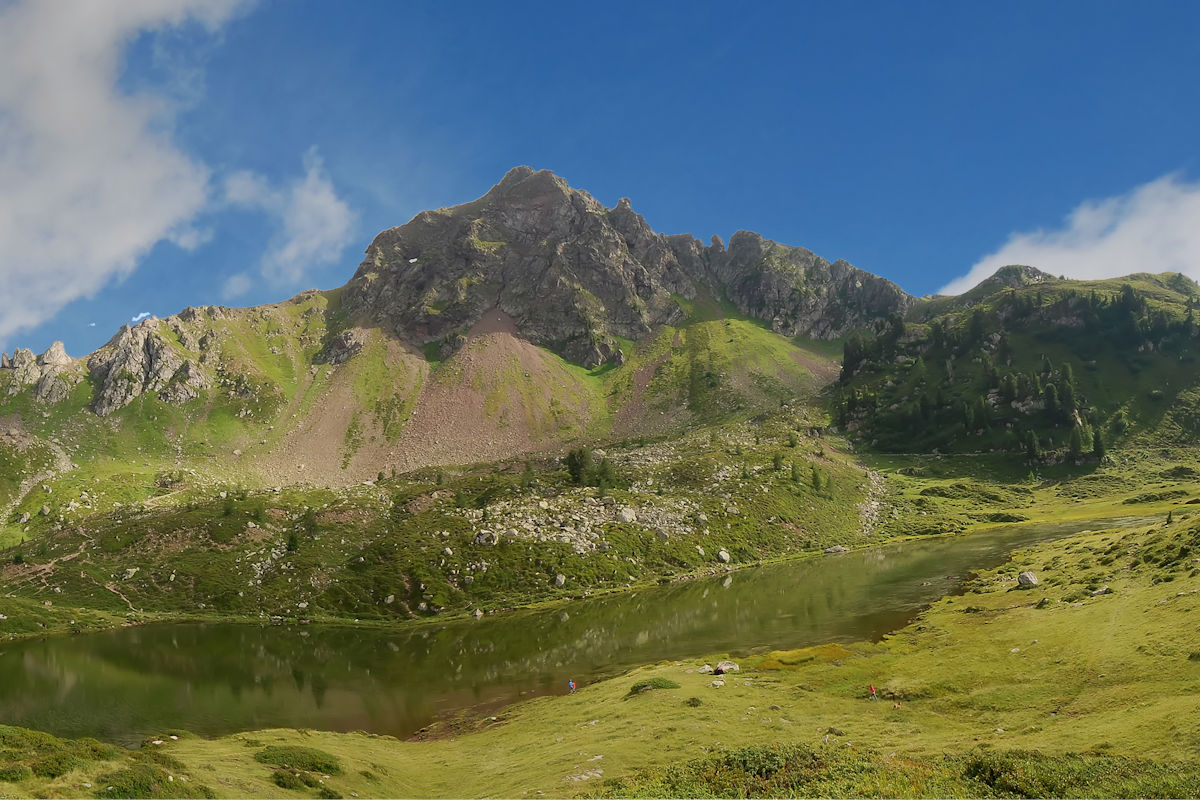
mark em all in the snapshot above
pixel 213 679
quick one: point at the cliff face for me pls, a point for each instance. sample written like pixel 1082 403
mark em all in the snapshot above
pixel 575 275
pixel 798 292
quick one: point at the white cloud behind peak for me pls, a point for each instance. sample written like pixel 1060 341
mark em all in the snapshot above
pixel 1153 228
pixel 313 224
pixel 92 178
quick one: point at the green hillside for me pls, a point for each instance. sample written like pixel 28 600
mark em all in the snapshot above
pixel 1050 370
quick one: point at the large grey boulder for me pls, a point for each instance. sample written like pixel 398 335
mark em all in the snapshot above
pixel 725 667
pixel 486 537
pixel 1027 579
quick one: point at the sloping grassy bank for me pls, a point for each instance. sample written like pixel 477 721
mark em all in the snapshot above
pixel 1059 690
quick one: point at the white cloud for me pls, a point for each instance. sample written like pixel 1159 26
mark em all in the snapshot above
pixel 1154 228
pixel 236 285
pixel 139 317
pixel 91 177
pixel 314 224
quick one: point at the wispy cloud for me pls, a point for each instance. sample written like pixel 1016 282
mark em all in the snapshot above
pixel 91 174
pixel 314 225
pixel 236 286
pixel 1153 228
pixel 139 317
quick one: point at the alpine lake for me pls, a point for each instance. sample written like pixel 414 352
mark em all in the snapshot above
pixel 127 684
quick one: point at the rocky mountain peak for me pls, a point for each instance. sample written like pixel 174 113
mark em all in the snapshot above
pixel 575 275
pixel 571 274
pixel 55 356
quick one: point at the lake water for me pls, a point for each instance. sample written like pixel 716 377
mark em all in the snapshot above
pixel 211 679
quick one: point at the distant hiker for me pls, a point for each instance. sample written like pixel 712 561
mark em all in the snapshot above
pixel 872 696
pixel 571 687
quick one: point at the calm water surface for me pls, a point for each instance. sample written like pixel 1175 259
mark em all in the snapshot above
pixel 127 684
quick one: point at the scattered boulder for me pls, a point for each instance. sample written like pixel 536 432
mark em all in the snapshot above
pixel 717 684
pixel 832 731
pixel 705 670
pixel 1101 591
pixel 345 346
pixel 1027 579
pixel 129 573
pixel 724 667
pixel 477 613
pixel 723 555
pixel 21 520
pixel 560 580
pixel 486 537
pixel 1045 601
pixel 837 548
pixel 45 511
pixel 391 598
pixel 447 551
pixel 626 515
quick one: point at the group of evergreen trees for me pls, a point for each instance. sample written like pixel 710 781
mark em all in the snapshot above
pixel 956 377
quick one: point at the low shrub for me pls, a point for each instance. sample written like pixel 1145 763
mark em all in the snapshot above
pixel 301 758
pixel 652 683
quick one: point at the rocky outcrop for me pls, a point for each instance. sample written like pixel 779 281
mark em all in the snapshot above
pixel 26 370
pixel 186 384
pixel 53 374
pixel 138 360
pixel 798 292
pixel 343 347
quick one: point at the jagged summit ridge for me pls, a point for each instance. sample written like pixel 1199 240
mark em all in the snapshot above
pixel 575 276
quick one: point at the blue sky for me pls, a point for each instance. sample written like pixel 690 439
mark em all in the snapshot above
pixel 158 155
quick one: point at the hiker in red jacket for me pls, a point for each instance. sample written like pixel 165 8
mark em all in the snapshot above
pixel 872 696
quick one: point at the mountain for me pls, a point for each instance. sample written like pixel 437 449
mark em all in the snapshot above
pixel 577 277
pixel 530 318
pixel 533 396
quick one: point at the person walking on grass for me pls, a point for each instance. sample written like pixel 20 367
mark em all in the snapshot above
pixel 570 687
pixel 872 695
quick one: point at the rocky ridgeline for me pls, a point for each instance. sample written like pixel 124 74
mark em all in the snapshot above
pixel 53 374
pixel 575 275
